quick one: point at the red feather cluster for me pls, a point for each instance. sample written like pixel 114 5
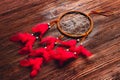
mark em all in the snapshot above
pixel 61 55
pixel 40 28
pixel 26 39
pixel 34 63
pixel 49 51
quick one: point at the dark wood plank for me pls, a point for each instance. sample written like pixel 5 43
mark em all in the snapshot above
pixel 104 41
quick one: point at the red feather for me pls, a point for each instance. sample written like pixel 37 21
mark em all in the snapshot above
pixel 26 38
pixel 23 37
pixel 33 73
pixel 62 55
pixel 37 52
pixel 49 42
pixel 69 43
pixel 40 28
pixel 84 51
pixel 41 52
pixel 34 63
pixel 37 62
pixel 25 63
pixel 25 50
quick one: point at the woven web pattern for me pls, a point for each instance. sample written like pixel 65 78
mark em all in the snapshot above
pixel 75 23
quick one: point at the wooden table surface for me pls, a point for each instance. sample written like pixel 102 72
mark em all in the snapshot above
pixel 104 41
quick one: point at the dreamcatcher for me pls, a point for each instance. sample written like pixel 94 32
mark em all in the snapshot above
pixel 73 24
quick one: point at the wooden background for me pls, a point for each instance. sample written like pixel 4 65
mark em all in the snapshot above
pixel 104 41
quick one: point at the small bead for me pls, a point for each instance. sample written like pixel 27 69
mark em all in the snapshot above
pixel 32 34
pixel 57 38
pixel 81 43
pixel 67 49
pixel 37 37
pixel 49 25
pixel 75 53
pixel 78 40
pixel 45 47
pixel 55 42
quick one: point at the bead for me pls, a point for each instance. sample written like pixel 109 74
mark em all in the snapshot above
pixel 32 34
pixel 75 53
pixel 37 37
pixel 78 40
pixel 81 43
pixel 45 47
pixel 55 42
pixel 49 25
pixel 67 49
pixel 57 38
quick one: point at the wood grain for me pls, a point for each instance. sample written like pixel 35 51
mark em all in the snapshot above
pixel 104 41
